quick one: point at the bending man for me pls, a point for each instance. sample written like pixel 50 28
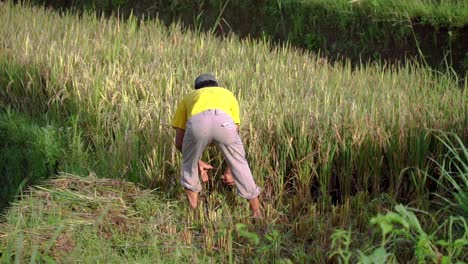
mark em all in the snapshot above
pixel 210 115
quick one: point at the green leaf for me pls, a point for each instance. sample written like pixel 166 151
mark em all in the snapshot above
pixel 446 260
pixel 243 231
pixel 461 242
pixel 442 243
pixel 379 256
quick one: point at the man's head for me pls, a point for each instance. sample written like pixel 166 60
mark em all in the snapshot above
pixel 205 80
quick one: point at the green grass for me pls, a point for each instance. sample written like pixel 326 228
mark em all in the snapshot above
pixel 434 12
pixel 29 153
pixel 103 220
pixel 94 221
pixel 402 231
pixel 361 135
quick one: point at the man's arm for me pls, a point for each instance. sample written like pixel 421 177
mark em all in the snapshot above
pixel 179 138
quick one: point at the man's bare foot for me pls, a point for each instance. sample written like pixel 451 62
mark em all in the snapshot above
pixel 192 198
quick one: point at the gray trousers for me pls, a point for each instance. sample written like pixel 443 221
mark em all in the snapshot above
pixel 215 126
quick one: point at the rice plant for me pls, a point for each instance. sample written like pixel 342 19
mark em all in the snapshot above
pixel 446 242
pixel 330 144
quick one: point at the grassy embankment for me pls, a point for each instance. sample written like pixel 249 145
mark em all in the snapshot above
pixel 433 12
pixel 111 88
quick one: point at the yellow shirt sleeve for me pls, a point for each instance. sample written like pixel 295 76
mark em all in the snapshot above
pixel 180 117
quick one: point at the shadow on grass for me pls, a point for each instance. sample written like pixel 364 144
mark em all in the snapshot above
pixel 29 153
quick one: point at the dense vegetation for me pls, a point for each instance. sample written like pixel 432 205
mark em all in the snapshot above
pixel 332 146
pixel 28 153
pixel 389 31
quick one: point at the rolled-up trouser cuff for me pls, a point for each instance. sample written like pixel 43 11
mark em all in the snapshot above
pixel 251 195
pixel 190 187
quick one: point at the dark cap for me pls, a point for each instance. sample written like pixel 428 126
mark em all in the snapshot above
pixel 204 79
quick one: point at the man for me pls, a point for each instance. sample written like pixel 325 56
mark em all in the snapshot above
pixel 210 115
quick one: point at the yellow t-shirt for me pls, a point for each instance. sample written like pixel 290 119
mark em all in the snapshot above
pixel 204 99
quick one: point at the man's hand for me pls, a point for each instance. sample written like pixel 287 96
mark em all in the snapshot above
pixel 203 169
pixel 227 177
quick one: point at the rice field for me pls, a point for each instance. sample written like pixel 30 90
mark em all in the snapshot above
pixel 331 145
